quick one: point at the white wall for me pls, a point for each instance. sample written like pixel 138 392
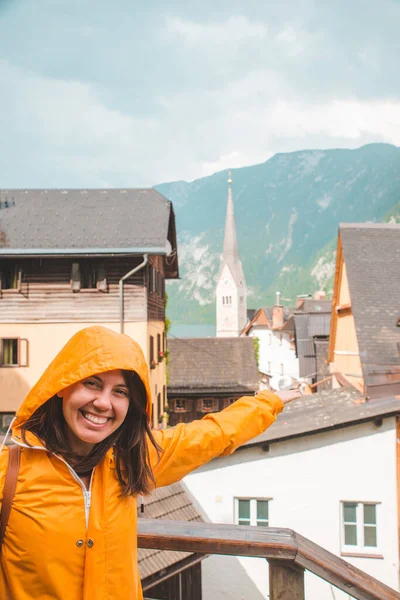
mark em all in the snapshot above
pixel 274 352
pixel 306 479
pixel 231 318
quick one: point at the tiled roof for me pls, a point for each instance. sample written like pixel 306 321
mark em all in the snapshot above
pixel 372 257
pixel 84 219
pixel 327 409
pixel 171 502
pixel 207 365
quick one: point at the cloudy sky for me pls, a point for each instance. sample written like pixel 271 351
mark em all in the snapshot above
pixel 96 93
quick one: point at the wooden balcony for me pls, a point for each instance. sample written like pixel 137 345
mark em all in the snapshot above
pixel 289 555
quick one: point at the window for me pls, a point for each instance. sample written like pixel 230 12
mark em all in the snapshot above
pixel 88 276
pixel 164 342
pixel 269 367
pixel 208 405
pixel 228 401
pixel 280 339
pixel 359 526
pixel 282 370
pixel 181 405
pixel 270 338
pixel 159 409
pixel 223 299
pixel 5 421
pixel 252 511
pixel 11 277
pixel 159 356
pixel 14 352
pixel 151 353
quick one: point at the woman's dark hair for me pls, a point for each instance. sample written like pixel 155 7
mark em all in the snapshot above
pixel 130 439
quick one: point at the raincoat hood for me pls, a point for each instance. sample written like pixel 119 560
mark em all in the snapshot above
pixel 90 351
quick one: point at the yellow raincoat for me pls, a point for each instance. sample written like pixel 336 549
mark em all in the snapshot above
pixel 63 542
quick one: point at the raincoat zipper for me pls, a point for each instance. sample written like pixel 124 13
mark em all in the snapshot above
pixel 87 493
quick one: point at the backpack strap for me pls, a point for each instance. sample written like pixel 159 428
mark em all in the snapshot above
pixel 9 488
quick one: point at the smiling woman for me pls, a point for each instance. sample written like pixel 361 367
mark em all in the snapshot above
pixel 87 452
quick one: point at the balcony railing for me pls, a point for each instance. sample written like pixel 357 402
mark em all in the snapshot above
pixel 289 555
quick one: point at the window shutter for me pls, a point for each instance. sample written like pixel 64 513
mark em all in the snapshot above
pixel 23 352
pixel 75 277
pixel 101 279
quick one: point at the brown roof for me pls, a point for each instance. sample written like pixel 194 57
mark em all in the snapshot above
pixel 212 365
pixel 328 409
pixel 372 256
pixel 170 502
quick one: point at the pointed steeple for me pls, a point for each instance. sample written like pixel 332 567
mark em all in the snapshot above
pixel 230 254
pixel 231 286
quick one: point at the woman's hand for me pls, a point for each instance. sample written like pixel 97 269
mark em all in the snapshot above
pixel 288 395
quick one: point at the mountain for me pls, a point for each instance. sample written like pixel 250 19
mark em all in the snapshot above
pixel 287 214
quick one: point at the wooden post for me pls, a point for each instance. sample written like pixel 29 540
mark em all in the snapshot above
pixel 285 582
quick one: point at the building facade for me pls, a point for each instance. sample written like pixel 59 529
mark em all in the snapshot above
pixel 364 347
pixel 70 259
pixel 326 469
pixel 207 374
pixel 274 329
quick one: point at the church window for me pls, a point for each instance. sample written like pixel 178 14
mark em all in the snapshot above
pixel 223 299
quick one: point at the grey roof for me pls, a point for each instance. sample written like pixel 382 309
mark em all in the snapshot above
pixel 309 305
pixel 327 409
pixel 207 365
pixel 372 256
pixel 171 502
pixel 117 220
pixel 310 325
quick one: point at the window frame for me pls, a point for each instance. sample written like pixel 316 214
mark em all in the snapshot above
pixel 79 271
pixel 253 502
pixel 22 350
pixel 360 549
pixel 4 428
pixel 17 289
pixel 187 406
pixel 214 407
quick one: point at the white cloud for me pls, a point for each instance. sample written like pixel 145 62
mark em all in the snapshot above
pixel 233 30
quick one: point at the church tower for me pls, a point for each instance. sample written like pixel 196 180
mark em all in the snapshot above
pixel 231 285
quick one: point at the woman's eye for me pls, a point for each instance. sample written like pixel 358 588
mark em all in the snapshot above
pixel 122 392
pixel 91 382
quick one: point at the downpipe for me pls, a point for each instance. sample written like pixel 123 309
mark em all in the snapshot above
pixel 121 289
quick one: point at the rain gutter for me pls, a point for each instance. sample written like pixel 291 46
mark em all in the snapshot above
pixel 121 288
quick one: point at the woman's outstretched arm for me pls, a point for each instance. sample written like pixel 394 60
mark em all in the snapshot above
pixel 187 446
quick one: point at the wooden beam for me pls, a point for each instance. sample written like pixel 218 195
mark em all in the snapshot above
pixel 210 538
pixel 285 583
pixel 283 545
pixel 341 574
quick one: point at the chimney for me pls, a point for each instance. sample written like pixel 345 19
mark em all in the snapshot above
pixel 278 318
pixel 319 295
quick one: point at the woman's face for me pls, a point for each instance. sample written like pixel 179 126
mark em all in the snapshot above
pixel 94 408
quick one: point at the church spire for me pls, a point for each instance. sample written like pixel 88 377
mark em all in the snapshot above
pixel 231 285
pixel 230 254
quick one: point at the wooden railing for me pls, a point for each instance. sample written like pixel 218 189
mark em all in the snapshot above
pixel 288 553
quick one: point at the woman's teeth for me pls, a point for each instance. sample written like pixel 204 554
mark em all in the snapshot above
pixel 93 419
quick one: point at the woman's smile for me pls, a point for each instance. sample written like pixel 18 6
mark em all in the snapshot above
pixel 94 408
